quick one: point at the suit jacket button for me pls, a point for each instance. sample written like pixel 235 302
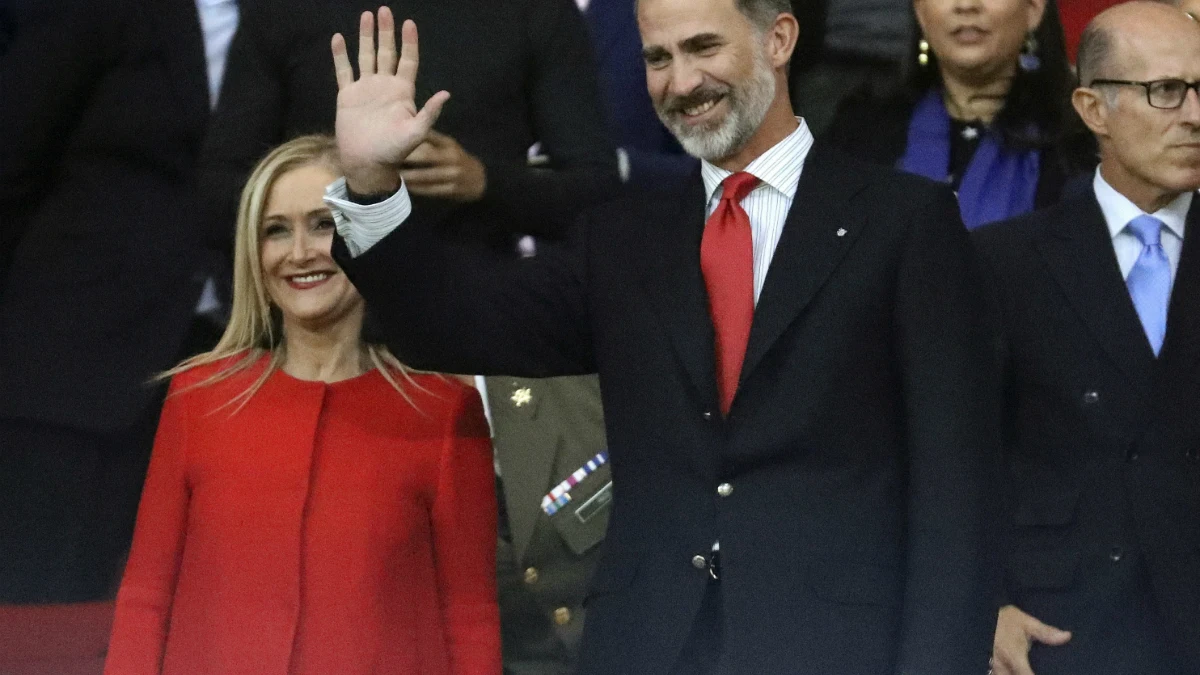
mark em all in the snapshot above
pixel 724 489
pixel 708 415
pixel 1116 554
pixel 562 616
pixel 531 576
pixel 1132 455
pixel 1091 396
pixel 1194 454
pixel 699 562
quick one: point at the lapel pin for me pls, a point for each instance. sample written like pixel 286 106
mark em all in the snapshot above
pixel 522 397
pixel 841 232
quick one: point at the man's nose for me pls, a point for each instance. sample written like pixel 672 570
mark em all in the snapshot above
pixel 685 78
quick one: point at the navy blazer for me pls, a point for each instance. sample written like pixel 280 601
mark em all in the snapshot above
pixel 654 155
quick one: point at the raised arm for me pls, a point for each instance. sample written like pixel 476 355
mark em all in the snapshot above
pixel 139 633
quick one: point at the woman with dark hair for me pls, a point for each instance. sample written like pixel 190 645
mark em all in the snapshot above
pixel 985 107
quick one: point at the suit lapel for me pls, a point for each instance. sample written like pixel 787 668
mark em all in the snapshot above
pixel 675 286
pixel 1182 344
pixel 821 226
pixel 182 41
pixel 1079 253
pixel 604 19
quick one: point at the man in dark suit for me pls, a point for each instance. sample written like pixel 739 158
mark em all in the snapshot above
pixel 1100 298
pixel 103 112
pixel 794 354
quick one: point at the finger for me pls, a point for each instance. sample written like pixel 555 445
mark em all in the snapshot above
pixel 439 140
pixel 429 176
pixel 366 45
pixel 341 62
pixel 1046 634
pixel 387 42
pixel 409 52
pixel 432 109
pixel 1011 661
pixel 439 190
pixel 424 154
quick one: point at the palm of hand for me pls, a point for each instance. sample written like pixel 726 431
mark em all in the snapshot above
pixel 377 121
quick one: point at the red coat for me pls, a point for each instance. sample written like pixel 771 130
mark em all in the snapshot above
pixel 324 528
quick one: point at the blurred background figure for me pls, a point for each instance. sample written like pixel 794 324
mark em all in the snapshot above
pixel 103 110
pixel 311 506
pixel 984 107
pixel 521 73
pixel 846 47
pixel 648 153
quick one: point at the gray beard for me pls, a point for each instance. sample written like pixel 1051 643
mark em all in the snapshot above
pixel 748 108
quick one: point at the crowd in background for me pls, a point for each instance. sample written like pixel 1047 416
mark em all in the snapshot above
pixel 140 156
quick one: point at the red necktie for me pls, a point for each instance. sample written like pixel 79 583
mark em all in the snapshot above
pixel 727 261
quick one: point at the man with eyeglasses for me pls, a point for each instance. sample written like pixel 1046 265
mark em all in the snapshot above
pixel 1100 304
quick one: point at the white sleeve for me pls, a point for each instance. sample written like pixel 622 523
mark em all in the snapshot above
pixel 364 225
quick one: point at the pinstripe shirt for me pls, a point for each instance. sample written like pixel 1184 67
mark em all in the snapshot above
pixel 778 169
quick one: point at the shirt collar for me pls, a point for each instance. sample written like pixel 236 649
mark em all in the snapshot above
pixel 1118 210
pixel 778 167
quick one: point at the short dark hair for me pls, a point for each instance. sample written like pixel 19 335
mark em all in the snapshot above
pixel 1096 47
pixel 762 13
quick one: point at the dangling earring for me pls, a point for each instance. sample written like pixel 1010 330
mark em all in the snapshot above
pixel 1029 59
pixel 923 52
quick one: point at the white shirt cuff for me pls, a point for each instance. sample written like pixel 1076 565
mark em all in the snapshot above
pixel 364 225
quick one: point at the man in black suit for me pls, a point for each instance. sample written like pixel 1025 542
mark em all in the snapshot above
pixel 103 111
pixel 801 396
pixel 1100 298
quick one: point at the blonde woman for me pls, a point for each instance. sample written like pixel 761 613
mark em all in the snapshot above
pixel 310 507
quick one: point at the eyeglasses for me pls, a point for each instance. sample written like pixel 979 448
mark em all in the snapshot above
pixel 1162 94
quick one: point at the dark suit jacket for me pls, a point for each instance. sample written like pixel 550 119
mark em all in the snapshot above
pixel 861 446
pixel 103 113
pixel 1102 439
pixel 876 130
pixel 543 431
pixel 519 72
pixel 654 154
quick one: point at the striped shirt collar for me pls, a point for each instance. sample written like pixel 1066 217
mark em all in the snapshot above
pixel 778 167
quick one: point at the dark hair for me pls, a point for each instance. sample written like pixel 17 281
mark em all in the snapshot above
pixel 1037 112
pixel 760 12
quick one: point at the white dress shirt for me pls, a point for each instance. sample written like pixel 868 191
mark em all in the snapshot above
pixel 218 22
pixel 364 225
pixel 1118 211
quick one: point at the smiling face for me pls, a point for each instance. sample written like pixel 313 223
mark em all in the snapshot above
pixel 978 40
pixel 711 73
pixel 296 235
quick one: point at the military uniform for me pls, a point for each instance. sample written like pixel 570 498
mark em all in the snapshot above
pixel 544 432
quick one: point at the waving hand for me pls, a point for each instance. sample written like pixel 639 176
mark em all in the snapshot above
pixel 378 123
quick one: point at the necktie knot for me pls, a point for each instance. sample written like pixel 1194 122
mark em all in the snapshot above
pixel 736 186
pixel 1147 229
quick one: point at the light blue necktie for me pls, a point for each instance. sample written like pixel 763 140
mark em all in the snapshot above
pixel 1149 281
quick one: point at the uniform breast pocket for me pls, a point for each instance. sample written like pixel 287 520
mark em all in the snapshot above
pixel 583 521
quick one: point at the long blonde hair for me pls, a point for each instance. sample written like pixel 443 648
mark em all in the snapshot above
pixel 254 328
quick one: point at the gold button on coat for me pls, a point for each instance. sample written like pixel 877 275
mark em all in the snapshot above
pixel 562 616
pixel 531 575
pixel 699 562
pixel 724 489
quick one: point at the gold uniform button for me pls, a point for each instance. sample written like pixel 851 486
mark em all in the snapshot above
pixel 522 397
pixel 699 562
pixel 531 575
pixel 562 616
pixel 724 489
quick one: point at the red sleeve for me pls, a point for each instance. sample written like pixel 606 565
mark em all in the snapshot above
pixel 464 540
pixel 144 601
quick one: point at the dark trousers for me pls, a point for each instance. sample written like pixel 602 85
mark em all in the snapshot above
pixel 705 642
pixel 68 501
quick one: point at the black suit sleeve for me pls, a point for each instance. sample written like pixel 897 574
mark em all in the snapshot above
pixel 569 122
pixel 945 338
pixel 247 123
pixel 447 303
